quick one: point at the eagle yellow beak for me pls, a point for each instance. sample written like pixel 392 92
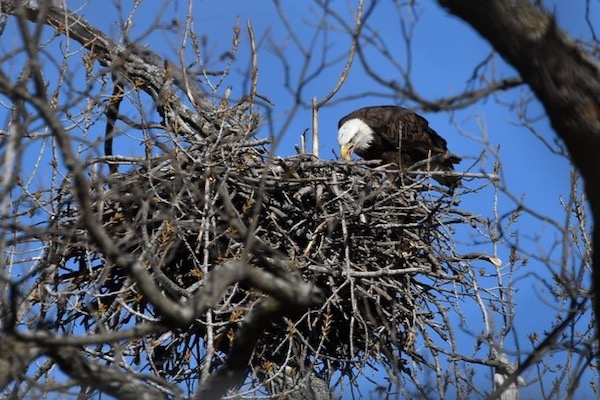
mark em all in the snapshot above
pixel 346 151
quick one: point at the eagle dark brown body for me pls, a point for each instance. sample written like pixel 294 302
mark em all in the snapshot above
pixel 401 137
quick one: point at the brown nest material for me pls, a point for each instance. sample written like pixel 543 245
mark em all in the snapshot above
pixel 378 251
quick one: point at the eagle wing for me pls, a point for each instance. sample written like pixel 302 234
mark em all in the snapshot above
pixel 412 132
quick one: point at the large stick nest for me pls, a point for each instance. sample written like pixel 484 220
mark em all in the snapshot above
pixel 377 250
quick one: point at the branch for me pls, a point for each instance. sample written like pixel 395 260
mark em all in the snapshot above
pixel 113 381
pixel 15 356
pixel 248 334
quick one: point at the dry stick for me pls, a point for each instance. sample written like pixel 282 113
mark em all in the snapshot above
pixel 204 235
pixel 112 111
pixel 138 331
pixel 184 73
pixel 315 124
pixel 316 105
pixel 254 57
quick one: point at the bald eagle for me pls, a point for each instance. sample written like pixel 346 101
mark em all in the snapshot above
pixel 396 136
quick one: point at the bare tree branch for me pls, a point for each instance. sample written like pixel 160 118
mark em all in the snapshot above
pixel 113 381
pixel 564 78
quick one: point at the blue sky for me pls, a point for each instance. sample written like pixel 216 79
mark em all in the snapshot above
pixel 445 51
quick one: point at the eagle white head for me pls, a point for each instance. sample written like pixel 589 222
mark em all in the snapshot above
pixel 354 135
